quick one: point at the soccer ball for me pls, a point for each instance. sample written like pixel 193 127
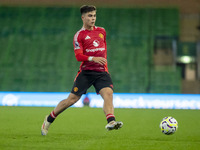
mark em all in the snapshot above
pixel 168 125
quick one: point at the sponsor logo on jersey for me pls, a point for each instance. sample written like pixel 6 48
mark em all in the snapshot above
pixel 96 43
pixel 77 45
pixel 95 49
pixel 87 37
pixel 101 35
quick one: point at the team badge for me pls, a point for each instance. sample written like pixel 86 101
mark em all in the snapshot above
pixel 101 35
pixel 75 89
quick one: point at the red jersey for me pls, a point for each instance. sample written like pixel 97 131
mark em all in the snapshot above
pixel 90 43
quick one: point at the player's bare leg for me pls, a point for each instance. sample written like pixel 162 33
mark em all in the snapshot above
pixel 108 108
pixel 107 95
pixel 62 105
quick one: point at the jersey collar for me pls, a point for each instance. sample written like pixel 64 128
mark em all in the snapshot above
pixel 89 30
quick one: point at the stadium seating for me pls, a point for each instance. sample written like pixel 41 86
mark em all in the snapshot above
pixel 36 51
pixel 165 80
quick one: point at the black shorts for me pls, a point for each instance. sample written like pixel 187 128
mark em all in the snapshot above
pixel 86 78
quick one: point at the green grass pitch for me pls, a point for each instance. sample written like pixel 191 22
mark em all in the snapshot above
pixel 84 129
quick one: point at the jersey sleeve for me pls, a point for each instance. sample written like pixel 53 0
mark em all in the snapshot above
pixel 104 35
pixel 78 48
pixel 105 40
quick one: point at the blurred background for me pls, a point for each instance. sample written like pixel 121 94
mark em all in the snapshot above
pixel 153 45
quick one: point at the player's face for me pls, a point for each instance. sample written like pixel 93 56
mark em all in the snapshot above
pixel 89 19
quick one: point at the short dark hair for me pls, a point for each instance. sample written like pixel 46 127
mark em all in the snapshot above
pixel 87 8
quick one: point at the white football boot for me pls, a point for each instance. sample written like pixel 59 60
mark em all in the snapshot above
pixel 45 126
pixel 114 125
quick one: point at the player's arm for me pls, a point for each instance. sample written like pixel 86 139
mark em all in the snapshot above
pixel 78 49
pixel 81 57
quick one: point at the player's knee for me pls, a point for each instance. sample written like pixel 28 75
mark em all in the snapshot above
pixel 108 92
pixel 73 98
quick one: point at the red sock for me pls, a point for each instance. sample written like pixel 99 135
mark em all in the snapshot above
pixel 51 117
pixel 110 117
pixel 53 114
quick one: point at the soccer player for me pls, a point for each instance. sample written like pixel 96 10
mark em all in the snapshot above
pixel 90 48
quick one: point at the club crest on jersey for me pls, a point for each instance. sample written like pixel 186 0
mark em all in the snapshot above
pixel 96 43
pixel 101 35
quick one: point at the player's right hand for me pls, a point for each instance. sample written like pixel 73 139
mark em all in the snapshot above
pixel 100 60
